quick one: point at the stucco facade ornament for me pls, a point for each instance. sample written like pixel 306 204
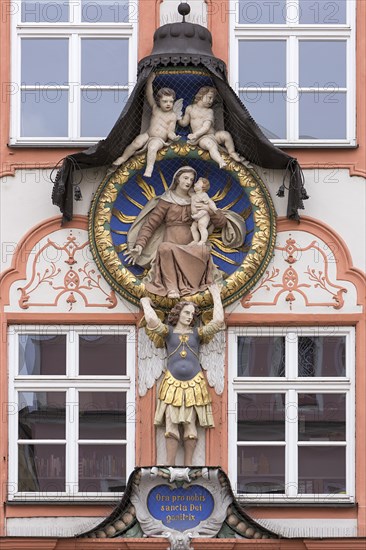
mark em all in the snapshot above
pixel 161 502
pixel 303 275
pixel 61 274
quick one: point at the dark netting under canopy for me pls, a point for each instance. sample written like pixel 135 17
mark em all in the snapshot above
pixel 185 73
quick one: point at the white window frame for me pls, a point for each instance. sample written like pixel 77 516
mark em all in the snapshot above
pixel 73 31
pixel 71 382
pixel 290 384
pixel 292 33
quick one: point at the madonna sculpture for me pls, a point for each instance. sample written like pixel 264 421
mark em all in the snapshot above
pixel 161 240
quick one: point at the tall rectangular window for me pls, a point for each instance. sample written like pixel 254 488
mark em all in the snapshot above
pixel 74 63
pixel 71 411
pixel 292 435
pixel 292 65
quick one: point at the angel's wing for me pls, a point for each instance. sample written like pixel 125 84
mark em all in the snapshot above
pixel 178 108
pixel 212 359
pixel 151 362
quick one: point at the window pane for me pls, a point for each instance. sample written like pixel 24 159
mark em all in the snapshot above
pixel 322 63
pixel 44 113
pixel 42 415
pixel 322 470
pixel 262 63
pixel 45 11
pixel 322 417
pixel 261 417
pixel 97 54
pixel 322 356
pixel 100 110
pixel 268 110
pixel 102 355
pixel 45 61
pixel 256 12
pixel 104 11
pixel 261 356
pixel 102 415
pixel 42 355
pixel 261 469
pixel 321 12
pixel 102 468
pixel 323 115
pixel 41 468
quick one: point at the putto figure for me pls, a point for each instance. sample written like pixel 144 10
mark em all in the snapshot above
pixel 161 131
pixel 183 398
pixel 201 218
pixel 201 117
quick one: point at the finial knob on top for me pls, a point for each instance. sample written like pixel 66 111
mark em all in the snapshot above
pixel 184 9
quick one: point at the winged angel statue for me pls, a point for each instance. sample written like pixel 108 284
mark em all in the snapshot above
pixel 161 130
pixel 179 349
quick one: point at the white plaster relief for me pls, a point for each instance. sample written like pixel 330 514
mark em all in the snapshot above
pixel 61 276
pixel 301 278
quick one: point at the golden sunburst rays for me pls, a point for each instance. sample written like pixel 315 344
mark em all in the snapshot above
pixel 221 194
pixel 121 247
pixel 119 232
pixel 147 190
pixel 124 218
pixel 162 177
pixel 131 200
pixel 216 241
pixel 224 258
pixel 246 212
pixel 234 202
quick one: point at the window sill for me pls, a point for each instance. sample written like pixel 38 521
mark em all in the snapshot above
pixel 17 144
pixel 296 502
pixel 65 501
pixel 316 145
pixel 53 145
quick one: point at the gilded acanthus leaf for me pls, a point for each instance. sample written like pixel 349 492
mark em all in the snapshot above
pixel 181 148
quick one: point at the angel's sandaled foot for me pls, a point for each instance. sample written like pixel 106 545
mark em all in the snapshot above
pixel 173 294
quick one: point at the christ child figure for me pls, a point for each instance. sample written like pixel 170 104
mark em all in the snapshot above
pixel 200 203
pixel 161 129
pixel 200 116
